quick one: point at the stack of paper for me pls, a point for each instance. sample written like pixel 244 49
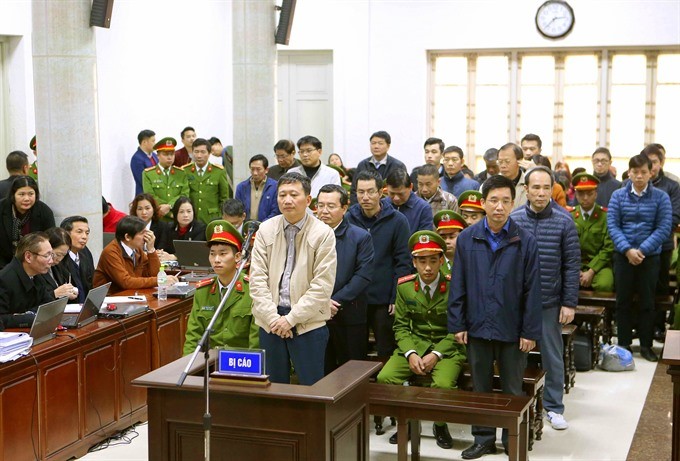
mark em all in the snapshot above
pixel 14 345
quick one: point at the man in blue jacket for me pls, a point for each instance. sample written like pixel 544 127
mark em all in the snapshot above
pixel 417 211
pixel 639 220
pixel 560 261
pixel 392 260
pixel 347 326
pixel 143 158
pixel 258 193
pixel 495 300
pixel 453 180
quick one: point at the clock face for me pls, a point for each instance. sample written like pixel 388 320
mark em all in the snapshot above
pixel 554 19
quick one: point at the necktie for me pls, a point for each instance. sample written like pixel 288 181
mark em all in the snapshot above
pixel 153 161
pixel 223 290
pixel 200 172
pixel 77 260
pixel 586 216
pixel 426 289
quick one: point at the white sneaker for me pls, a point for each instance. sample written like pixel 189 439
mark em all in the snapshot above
pixel 557 421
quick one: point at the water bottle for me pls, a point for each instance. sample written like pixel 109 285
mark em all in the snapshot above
pixel 162 284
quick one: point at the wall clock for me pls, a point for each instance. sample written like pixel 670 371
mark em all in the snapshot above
pixel 555 19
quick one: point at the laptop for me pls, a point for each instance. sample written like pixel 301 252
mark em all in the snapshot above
pixel 89 309
pixel 47 320
pixel 179 291
pixel 192 255
pixel 122 311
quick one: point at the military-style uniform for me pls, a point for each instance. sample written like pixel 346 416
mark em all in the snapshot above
pixel 207 192
pixel 33 168
pixel 446 222
pixel 234 328
pixel 597 248
pixel 166 188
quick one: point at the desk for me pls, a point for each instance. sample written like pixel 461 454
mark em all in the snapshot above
pixel 671 357
pixel 74 391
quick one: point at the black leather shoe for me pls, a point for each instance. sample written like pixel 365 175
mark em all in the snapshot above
pixel 648 354
pixel 478 450
pixel 394 437
pixel 659 335
pixel 442 436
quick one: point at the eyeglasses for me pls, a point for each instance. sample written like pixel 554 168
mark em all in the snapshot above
pixel 306 151
pixel 329 207
pixel 49 255
pixel 494 202
pixel 370 193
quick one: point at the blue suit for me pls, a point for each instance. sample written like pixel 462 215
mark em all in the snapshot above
pixel 418 213
pixel 268 208
pixel 138 163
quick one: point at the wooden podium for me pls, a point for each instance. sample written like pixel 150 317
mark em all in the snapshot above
pixel 326 421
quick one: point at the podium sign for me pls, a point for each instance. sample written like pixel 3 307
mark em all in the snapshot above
pixel 242 362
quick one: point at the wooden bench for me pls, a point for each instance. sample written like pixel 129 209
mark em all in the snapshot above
pixel 591 320
pixel 452 406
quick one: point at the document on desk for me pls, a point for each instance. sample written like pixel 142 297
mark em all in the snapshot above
pixel 14 345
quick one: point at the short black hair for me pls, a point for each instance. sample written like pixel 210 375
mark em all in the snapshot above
pixel 519 153
pixel 178 203
pixel 430 141
pixel 368 175
pixel 145 134
pixel 398 178
pixel 259 158
pixel 382 135
pixel 201 142
pixel 67 223
pixel 455 149
pixel 292 178
pixel 188 128
pixel 428 170
pixel 638 161
pixel 58 237
pixel 539 159
pixel 285 145
pixel 233 207
pixel 497 181
pixel 23 181
pixel 532 137
pixel 602 150
pixel 105 206
pixel 314 141
pixel 214 140
pixel 491 155
pixel 129 225
pixel 330 188
pixel 533 170
pixel 16 161
pixel 650 149
pixel 577 171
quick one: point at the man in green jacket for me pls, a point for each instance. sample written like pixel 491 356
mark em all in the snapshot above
pixel 165 181
pixel 235 327
pixel 424 345
pixel 208 187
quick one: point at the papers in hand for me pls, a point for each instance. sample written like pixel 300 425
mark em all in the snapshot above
pixel 14 345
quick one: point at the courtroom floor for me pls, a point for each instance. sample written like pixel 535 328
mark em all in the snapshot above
pixel 603 411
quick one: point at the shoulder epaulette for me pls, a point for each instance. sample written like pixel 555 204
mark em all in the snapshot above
pixel 570 209
pixel 150 168
pixel 204 283
pixel 406 278
pixel 448 277
pixel 604 208
pixel 218 166
pixel 188 165
pixel 246 278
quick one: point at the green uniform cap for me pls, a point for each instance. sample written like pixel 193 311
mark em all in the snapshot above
pixel 470 200
pixel 32 144
pixel 585 181
pixel 165 144
pixel 448 219
pixel 222 231
pixel 425 243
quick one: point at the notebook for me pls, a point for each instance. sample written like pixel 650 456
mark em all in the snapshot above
pixel 47 319
pixel 90 308
pixel 192 255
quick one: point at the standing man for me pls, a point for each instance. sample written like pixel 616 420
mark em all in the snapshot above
pixel 165 181
pixel 143 158
pixel 208 187
pixel 182 157
pixel 292 274
pixel 602 160
pixel 309 149
pixel 17 165
pixel 495 300
pixel 353 245
pixel 379 161
pixel 79 263
pixel 531 147
pixel 449 224
pixel 639 219
pixel 509 157
pixel 491 162
pixel 234 213
pixel 470 206
pixel 258 193
pixel 389 230
pixel 560 261
pixel 424 346
pixel 417 211
pixel 284 151
pixel 454 181
pixel 433 148
pixel 597 247
pixel 429 189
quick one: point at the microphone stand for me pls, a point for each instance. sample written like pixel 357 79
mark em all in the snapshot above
pixel 204 345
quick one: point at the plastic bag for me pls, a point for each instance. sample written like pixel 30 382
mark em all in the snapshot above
pixel 616 358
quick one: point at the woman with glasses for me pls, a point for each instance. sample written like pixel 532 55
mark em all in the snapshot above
pixel 21 213
pixel 185 227
pixel 58 277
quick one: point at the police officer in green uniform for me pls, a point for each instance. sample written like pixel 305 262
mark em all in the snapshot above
pixel 448 225
pixel 470 206
pixel 164 181
pixel 208 187
pixel 424 345
pixel 597 248
pixel 33 169
pixel 235 327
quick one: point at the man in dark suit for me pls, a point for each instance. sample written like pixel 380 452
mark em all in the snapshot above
pixel 143 158
pixel 17 165
pixel 379 161
pixel 79 262
pixel 354 247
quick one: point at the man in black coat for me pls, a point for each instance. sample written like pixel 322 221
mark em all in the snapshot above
pixel 602 160
pixel 21 292
pixel 79 262
pixel 354 247
pixel 17 165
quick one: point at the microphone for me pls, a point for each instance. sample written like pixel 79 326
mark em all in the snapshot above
pixel 251 227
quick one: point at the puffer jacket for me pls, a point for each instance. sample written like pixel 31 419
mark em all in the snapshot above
pixel 639 222
pixel 559 252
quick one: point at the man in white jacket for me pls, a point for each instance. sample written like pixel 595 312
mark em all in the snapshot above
pixel 309 149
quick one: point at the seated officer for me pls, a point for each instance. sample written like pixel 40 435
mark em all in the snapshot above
pixel 470 206
pixel 448 225
pixel 597 248
pixel 164 181
pixel 235 327
pixel 21 292
pixel 424 345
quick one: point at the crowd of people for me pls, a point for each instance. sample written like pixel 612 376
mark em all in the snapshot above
pixel 443 266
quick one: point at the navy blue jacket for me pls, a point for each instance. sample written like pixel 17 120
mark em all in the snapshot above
pixel 458 183
pixel 391 256
pixel 138 163
pixel 418 213
pixel 608 184
pixel 559 252
pixel 639 222
pixel 496 295
pixel 354 272
pixel 391 164
pixel 672 188
pixel 268 208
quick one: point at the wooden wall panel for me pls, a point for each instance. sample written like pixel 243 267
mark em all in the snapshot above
pixel 19 413
pixel 99 387
pixel 62 409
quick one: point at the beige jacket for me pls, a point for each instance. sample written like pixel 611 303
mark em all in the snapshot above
pixel 311 283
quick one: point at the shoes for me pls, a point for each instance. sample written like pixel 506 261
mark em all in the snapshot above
pixel 442 436
pixel 557 421
pixel 394 437
pixel 478 450
pixel 660 335
pixel 648 354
